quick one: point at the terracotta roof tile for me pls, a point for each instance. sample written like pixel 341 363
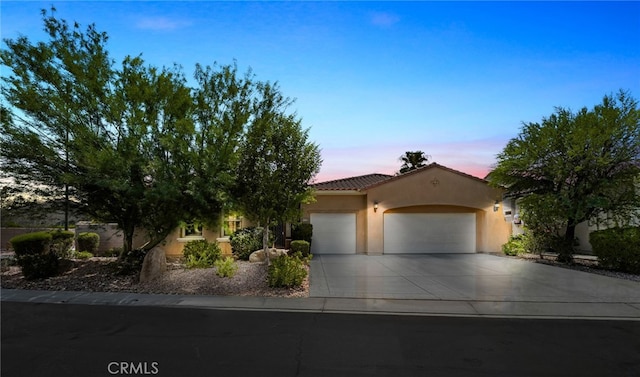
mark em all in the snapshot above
pixel 352 183
pixel 430 166
pixel 372 180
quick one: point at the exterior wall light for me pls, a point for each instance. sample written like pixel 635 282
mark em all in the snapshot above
pixel 496 206
pixel 375 206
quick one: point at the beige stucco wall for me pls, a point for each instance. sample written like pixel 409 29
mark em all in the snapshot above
pixel 431 190
pixel 436 188
pixel 173 245
pixel 346 203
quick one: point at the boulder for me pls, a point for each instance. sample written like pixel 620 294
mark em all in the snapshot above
pixel 258 256
pixel 154 265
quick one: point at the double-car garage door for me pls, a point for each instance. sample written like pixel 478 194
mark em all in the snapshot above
pixel 425 233
pixel 404 233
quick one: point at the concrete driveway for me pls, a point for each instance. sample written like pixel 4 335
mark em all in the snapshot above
pixel 477 277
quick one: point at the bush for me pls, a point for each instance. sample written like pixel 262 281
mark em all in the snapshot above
pixel 515 245
pixel 38 253
pixel 302 247
pixel 287 271
pixel 31 243
pixel 617 248
pixel 245 241
pixel 201 254
pixel 226 267
pixel 84 255
pixel 114 252
pixel 88 241
pixel 38 266
pixel 302 231
pixel 61 242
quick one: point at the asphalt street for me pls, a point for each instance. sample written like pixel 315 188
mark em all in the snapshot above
pixel 106 340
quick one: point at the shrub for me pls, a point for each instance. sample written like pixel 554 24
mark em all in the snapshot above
pixel 34 256
pixel 62 242
pixel 302 247
pixel 114 252
pixel 226 267
pixel 37 266
pixel 287 271
pixel 88 241
pixel 201 254
pixel 245 241
pixel 515 245
pixel 617 248
pixel 302 231
pixel 84 255
pixel 31 243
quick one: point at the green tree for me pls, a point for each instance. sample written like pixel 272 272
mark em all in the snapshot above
pixel 413 160
pixel 222 109
pixel 132 144
pixel 136 170
pixel 276 162
pixel 574 167
pixel 59 88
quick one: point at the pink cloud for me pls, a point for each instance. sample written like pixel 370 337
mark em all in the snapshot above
pixel 475 157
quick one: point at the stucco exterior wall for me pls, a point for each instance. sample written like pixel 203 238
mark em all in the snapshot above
pixel 432 190
pixel 342 204
pixel 173 245
pixel 438 190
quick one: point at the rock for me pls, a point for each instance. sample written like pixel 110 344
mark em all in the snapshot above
pixel 258 256
pixel 154 265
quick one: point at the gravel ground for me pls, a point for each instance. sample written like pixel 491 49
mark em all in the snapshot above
pixel 586 265
pixel 98 275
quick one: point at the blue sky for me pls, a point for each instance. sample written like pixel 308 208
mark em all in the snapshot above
pixel 375 79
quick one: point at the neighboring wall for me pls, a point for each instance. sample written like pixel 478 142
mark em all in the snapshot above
pixel 110 236
pixel 6 234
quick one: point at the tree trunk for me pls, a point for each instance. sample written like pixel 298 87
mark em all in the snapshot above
pixel 128 240
pixel 565 252
pixel 66 206
pixel 265 243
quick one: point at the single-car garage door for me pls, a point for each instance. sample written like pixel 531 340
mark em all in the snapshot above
pixel 333 233
pixel 417 233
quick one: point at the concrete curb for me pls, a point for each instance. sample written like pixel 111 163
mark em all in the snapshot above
pixel 444 308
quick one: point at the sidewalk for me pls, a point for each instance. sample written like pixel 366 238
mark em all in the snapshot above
pixel 461 308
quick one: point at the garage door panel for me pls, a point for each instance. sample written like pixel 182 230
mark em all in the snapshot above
pixel 333 233
pixel 429 233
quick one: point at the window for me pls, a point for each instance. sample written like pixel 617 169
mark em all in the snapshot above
pixel 191 229
pixel 232 224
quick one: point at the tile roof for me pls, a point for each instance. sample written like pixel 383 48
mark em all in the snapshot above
pixel 372 180
pixel 430 166
pixel 352 183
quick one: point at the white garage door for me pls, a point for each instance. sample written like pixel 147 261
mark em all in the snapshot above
pixel 418 233
pixel 333 233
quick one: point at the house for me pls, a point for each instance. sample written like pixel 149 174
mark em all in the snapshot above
pixel 173 244
pixel 433 209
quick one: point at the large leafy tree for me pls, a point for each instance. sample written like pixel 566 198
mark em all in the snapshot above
pixel 412 160
pixel 276 162
pixel 222 109
pixel 132 144
pixel 58 89
pixel 574 167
